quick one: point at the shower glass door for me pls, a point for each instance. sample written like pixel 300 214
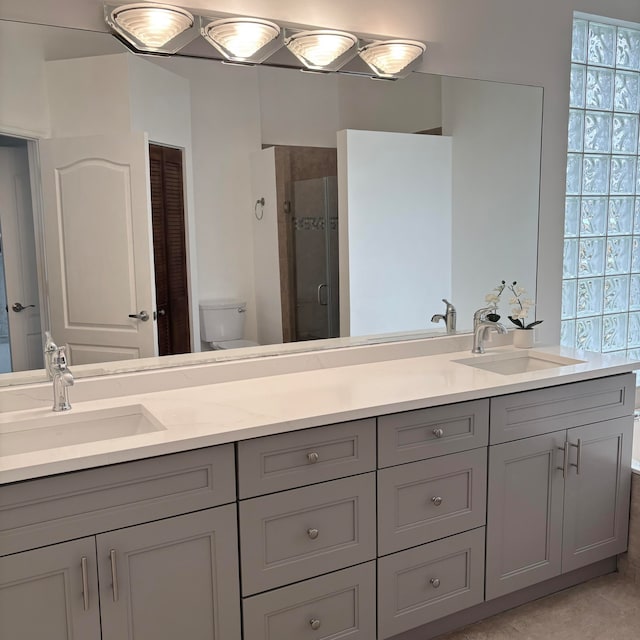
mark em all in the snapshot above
pixel 315 223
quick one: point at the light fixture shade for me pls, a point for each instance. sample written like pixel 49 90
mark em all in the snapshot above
pixel 392 58
pixel 323 49
pixel 151 27
pixel 243 39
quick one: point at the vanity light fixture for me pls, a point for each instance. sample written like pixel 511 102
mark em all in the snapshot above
pixel 245 40
pixel 322 49
pixel 392 59
pixel 151 27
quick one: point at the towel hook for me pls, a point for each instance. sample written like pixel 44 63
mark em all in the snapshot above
pixel 255 209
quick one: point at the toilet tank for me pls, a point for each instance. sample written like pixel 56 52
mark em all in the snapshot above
pixel 222 320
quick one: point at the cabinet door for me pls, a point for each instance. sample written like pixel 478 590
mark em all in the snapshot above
pixel 174 578
pixel 597 489
pixel 43 594
pixel 524 513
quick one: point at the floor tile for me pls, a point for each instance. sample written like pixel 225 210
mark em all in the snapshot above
pixel 606 608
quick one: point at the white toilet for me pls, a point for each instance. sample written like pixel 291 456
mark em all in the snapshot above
pixel 222 324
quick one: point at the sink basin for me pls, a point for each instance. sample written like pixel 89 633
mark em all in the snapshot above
pixel 64 429
pixel 520 362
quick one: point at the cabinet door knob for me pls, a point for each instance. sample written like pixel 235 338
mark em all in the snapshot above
pixel 312 533
pixel 438 432
pixel 434 582
pixel 314 623
pixel 437 501
pixel 313 457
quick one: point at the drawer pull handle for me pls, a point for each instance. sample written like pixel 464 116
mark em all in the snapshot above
pixel 114 574
pixel 437 501
pixel 312 533
pixel 565 459
pixel 85 583
pixel 314 623
pixel 313 457
pixel 438 433
pixel 434 582
pixel 578 463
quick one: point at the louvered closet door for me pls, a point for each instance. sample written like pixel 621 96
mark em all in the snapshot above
pixel 169 250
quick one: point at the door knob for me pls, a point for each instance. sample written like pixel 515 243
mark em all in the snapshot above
pixel 143 315
pixel 18 306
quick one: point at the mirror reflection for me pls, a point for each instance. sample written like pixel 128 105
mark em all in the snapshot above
pixel 154 206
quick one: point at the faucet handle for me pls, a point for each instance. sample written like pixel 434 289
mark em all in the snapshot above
pixel 486 313
pixel 59 358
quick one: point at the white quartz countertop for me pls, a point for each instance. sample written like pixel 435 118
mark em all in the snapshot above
pixel 224 412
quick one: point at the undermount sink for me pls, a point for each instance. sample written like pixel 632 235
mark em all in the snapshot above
pixel 518 362
pixel 55 430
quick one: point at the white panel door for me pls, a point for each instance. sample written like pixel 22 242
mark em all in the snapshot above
pixel 395 220
pixel 98 245
pixel 19 255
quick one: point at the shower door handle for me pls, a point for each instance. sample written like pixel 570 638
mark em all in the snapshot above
pixel 320 288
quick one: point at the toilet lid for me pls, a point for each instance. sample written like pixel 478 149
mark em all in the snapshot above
pixel 235 344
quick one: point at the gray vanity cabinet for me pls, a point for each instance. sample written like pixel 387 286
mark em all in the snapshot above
pixel 524 513
pixel 43 593
pixel 550 512
pixel 172 578
pixel 153 552
pixel 597 493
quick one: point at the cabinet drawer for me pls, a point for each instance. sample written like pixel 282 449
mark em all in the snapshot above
pixel 301 533
pixel 338 605
pixel 531 413
pixel 291 460
pixel 40 512
pixel 428 582
pixel 423 501
pixel 437 431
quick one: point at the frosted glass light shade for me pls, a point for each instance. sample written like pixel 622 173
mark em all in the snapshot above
pixel 322 50
pixel 243 39
pixel 392 58
pixel 150 26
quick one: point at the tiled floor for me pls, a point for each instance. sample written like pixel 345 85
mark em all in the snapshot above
pixel 606 608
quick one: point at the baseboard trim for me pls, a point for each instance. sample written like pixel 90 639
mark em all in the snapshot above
pixel 511 600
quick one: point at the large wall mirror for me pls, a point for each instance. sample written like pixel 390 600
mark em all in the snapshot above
pixel 142 199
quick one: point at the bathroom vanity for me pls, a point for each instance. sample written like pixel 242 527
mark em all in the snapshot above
pixel 389 499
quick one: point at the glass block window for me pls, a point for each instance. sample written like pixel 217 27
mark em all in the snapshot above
pixel 601 269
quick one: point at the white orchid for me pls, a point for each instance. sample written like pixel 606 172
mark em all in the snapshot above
pixel 520 305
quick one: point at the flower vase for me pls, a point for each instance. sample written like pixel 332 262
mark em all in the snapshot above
pixel 523 338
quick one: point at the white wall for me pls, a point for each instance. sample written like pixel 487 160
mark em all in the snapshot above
pixel 24 109
pixel 495 130
pixel 225 121
pixel 89 96
pixel 395 230
pixel 160 103
pixel 412 105
pixel 266 260
pixel 298 108
pixel 506 40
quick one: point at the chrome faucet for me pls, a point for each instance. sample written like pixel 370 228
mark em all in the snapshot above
pixel 482 315
pixel 449 317
pixel 50 347
pixel 62 379
pixel 481 331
